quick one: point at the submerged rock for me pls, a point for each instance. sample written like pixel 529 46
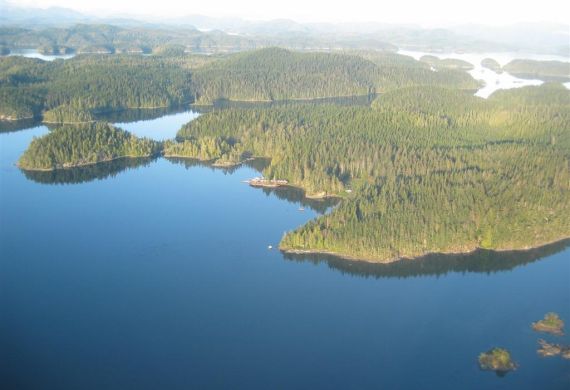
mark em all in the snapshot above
pixel 550 324
pixel 498 360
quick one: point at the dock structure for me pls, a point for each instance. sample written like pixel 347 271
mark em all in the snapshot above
pixel 262 182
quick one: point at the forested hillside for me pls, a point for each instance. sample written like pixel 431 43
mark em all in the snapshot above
pixel 397 71
pixel 77 89
pixel 429 169
pixel 278 74
pixel 73 90
pixel 71 146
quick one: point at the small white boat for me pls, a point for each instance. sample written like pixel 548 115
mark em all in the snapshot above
pixel 269 247
pixel 301 209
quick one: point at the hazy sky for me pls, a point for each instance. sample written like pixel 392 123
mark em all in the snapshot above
pixel 426 12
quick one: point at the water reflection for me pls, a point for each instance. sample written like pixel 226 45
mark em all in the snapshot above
pixel 191 163
pixel 139 114
pixel 362 100
pixel 297 196
pixel 132 115
pixel 23 124
pixel 87 173
pixel 258 164
pixel 290 194
pixel 480 261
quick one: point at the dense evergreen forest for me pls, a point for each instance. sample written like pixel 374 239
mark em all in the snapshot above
pixel 71 91
pixel 278 74
pixel 76 90
pixel 424 170
pixel 543 70
pixel 72 146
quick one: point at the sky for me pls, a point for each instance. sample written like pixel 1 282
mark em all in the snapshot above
pixel 423 12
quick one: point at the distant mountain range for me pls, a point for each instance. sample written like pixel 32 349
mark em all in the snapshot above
pixel 530 37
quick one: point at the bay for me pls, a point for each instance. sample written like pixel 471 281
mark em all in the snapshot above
pixel 157 274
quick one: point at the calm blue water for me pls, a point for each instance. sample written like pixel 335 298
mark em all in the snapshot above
pixel 160 129
pixel 158 276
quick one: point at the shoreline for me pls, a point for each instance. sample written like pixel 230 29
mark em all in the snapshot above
pixel 371 260
pixel 294 99
pixel 12 119
pixel 81 165
pixel 104 112
pixel 276 183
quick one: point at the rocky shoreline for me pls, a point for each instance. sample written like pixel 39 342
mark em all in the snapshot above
pixel 372 260
pixel 550 324
pixel 550 349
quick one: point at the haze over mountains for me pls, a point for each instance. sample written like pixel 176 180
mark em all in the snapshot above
pixel 548 38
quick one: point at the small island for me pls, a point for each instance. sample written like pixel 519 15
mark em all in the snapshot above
pixel 550 324
pixel 498 360
pixel 446 63
pixel 550 349
pixel 74 146
pixel 492 64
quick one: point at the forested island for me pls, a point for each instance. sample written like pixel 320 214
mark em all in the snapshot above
pixel 498 360
pixel 75 146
